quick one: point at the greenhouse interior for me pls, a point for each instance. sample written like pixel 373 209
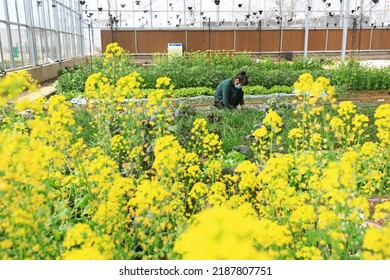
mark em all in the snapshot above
pixel 195 130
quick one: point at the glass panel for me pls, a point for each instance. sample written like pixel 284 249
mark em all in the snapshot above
pixel 62 19
pixel 36 19
pixel 66 46
pixel 69 19
pixel 77 22
pixel 73 38
pixel 63 45
pixel 72 18
pixel 2 65
pixel 21 12
pixel 78 46
pixel 49 48
pixel 52 26
pixel 2 10
pixel 12 11
pixel 38 44
pixel 52 12
pixel 44 45
pixel 5 46
pixel 65 22
pixel 54 45
pixel 70 4
pixel 16 47
pixel 25 47
pixel 47 8
pixel 58 19
pixel 41 20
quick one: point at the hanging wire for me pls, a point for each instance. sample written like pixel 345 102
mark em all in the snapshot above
pixel 353 44
pixel 90 28
pixel 280 41
pixel 360 30
pixel 260 37
pixel 209 42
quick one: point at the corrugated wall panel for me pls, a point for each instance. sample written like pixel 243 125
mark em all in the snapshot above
pixel 105 38
pixel 201 40
pixel 293 40
pixel 359 39
pixel 151 41
pixel 334 39
pixel 380 39
pixel 126 39
pixel 198 40
pixel 222 40
pixel 248 40
pixel 317 40
pixel 157 41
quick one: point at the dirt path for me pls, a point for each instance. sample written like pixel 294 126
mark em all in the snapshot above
pixel 360 98
pixel 370 97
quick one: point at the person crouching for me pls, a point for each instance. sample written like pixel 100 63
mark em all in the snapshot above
pixel 229 92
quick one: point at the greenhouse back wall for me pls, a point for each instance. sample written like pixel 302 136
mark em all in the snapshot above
pixel 151 41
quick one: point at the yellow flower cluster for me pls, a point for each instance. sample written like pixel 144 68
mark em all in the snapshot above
pixel 192 170
pixel 382 211
pixel 273 120
pixel 382 116
pixel 225 234
pixel 113 50
pixel 164 82
pixel 81 243
pixel 313 130
pixel 169 156
pixel 129 86
pixel 12 84
pixel 308 89
pixel 376 243
pixel 348 127
pixel 206 144
pixel 212 145
pixel 266 137
pixel 248 175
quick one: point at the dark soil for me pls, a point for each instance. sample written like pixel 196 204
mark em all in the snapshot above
pixel 372 97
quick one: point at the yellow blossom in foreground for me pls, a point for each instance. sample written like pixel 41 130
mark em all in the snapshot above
pixel 303 218
pixel 169 156
pixel 313 90
pixel 273 120
pixel 382 116
pixel 81 243
pixel 12 84
pixel 225 234
pixel 309 253
pixel 376 243
pixel 382 210
pixel 346 108
pixel 248 175
pixel 295 133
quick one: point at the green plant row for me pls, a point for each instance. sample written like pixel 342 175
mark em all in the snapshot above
pixel 201 71
pixel 252 90
pixel 199 91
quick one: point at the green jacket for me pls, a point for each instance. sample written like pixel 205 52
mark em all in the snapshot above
pixel 223 92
